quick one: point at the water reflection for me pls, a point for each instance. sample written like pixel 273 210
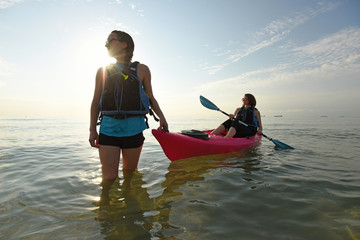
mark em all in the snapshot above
pixel 178 203
pixel 123 208
pixel 126 211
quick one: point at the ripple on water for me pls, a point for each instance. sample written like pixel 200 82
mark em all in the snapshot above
pixel 50 188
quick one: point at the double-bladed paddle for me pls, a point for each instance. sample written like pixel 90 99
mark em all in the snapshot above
pixel 208 104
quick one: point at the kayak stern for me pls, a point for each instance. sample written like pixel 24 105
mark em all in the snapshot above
pixel 178 146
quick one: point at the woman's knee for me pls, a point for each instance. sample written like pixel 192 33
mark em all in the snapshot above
pixel 131 158
pixel 231 133
pixel 109 157
pixel 227 124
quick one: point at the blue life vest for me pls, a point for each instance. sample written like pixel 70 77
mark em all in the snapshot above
pixel 123 94
pixel 247 115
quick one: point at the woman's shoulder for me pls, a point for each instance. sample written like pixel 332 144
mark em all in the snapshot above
pixel 100 70
pixel 143 72
pixel 99 74
pixel 142 67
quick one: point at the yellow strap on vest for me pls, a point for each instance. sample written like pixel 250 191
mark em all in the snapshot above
pixel 125 76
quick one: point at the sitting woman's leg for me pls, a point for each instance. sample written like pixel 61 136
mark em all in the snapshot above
pixel 231 133
pixel 223 127
pixel 238 130
pixel 219 130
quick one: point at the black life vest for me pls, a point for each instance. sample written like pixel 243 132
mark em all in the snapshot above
pixel 247 115
pixel 123 94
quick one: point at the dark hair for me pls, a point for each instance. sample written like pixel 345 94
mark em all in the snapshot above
pixel 124 37
pixel 252 100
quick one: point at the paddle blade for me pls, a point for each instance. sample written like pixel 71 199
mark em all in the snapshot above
pixel 281 144
pixel 208 104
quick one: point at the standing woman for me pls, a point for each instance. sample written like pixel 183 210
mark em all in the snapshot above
pixel 247 114
pixel 122 95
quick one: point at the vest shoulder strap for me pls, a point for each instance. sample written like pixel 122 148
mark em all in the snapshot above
pixel 131 68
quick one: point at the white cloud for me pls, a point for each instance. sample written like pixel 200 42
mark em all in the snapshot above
pixel 274 32
pixel 325 88
pixel 141 13
pixel 132 5
pixel 8 3
pixel 113 23
pixel 339 48
pixel 5 68
pixel 323 67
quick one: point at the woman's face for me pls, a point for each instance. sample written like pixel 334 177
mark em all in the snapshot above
pixel 245 100
pixel 114 46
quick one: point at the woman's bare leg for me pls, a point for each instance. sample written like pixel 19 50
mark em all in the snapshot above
pixel 109 158
pixel 131 158
pixel 231 133
pixel 219 130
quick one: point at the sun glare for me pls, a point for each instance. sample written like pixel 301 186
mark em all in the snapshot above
pixel 93 53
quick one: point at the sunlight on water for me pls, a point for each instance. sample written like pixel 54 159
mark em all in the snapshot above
pixel 51 185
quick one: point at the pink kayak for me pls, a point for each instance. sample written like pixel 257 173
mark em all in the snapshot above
pixel 179 146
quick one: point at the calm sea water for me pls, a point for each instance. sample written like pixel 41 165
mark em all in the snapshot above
pixel 50 185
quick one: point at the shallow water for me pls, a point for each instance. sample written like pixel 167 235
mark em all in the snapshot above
pixel 50 185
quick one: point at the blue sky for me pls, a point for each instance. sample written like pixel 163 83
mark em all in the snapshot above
pixel 297 57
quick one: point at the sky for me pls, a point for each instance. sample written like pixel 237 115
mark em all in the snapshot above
pixel 297 57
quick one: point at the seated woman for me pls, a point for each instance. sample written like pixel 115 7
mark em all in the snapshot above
pixel 247 114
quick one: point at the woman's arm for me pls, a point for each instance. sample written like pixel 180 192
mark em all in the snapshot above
pixel 95 109
pixel 257 115
pixel 231 116
pixel 145 78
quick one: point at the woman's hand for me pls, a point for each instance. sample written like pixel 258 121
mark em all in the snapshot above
pixel 94 139
pixel 163 125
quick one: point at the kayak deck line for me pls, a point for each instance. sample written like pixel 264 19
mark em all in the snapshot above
pixel 179 146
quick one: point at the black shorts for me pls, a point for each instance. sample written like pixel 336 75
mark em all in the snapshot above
pixel 122 142
pixel 241 130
